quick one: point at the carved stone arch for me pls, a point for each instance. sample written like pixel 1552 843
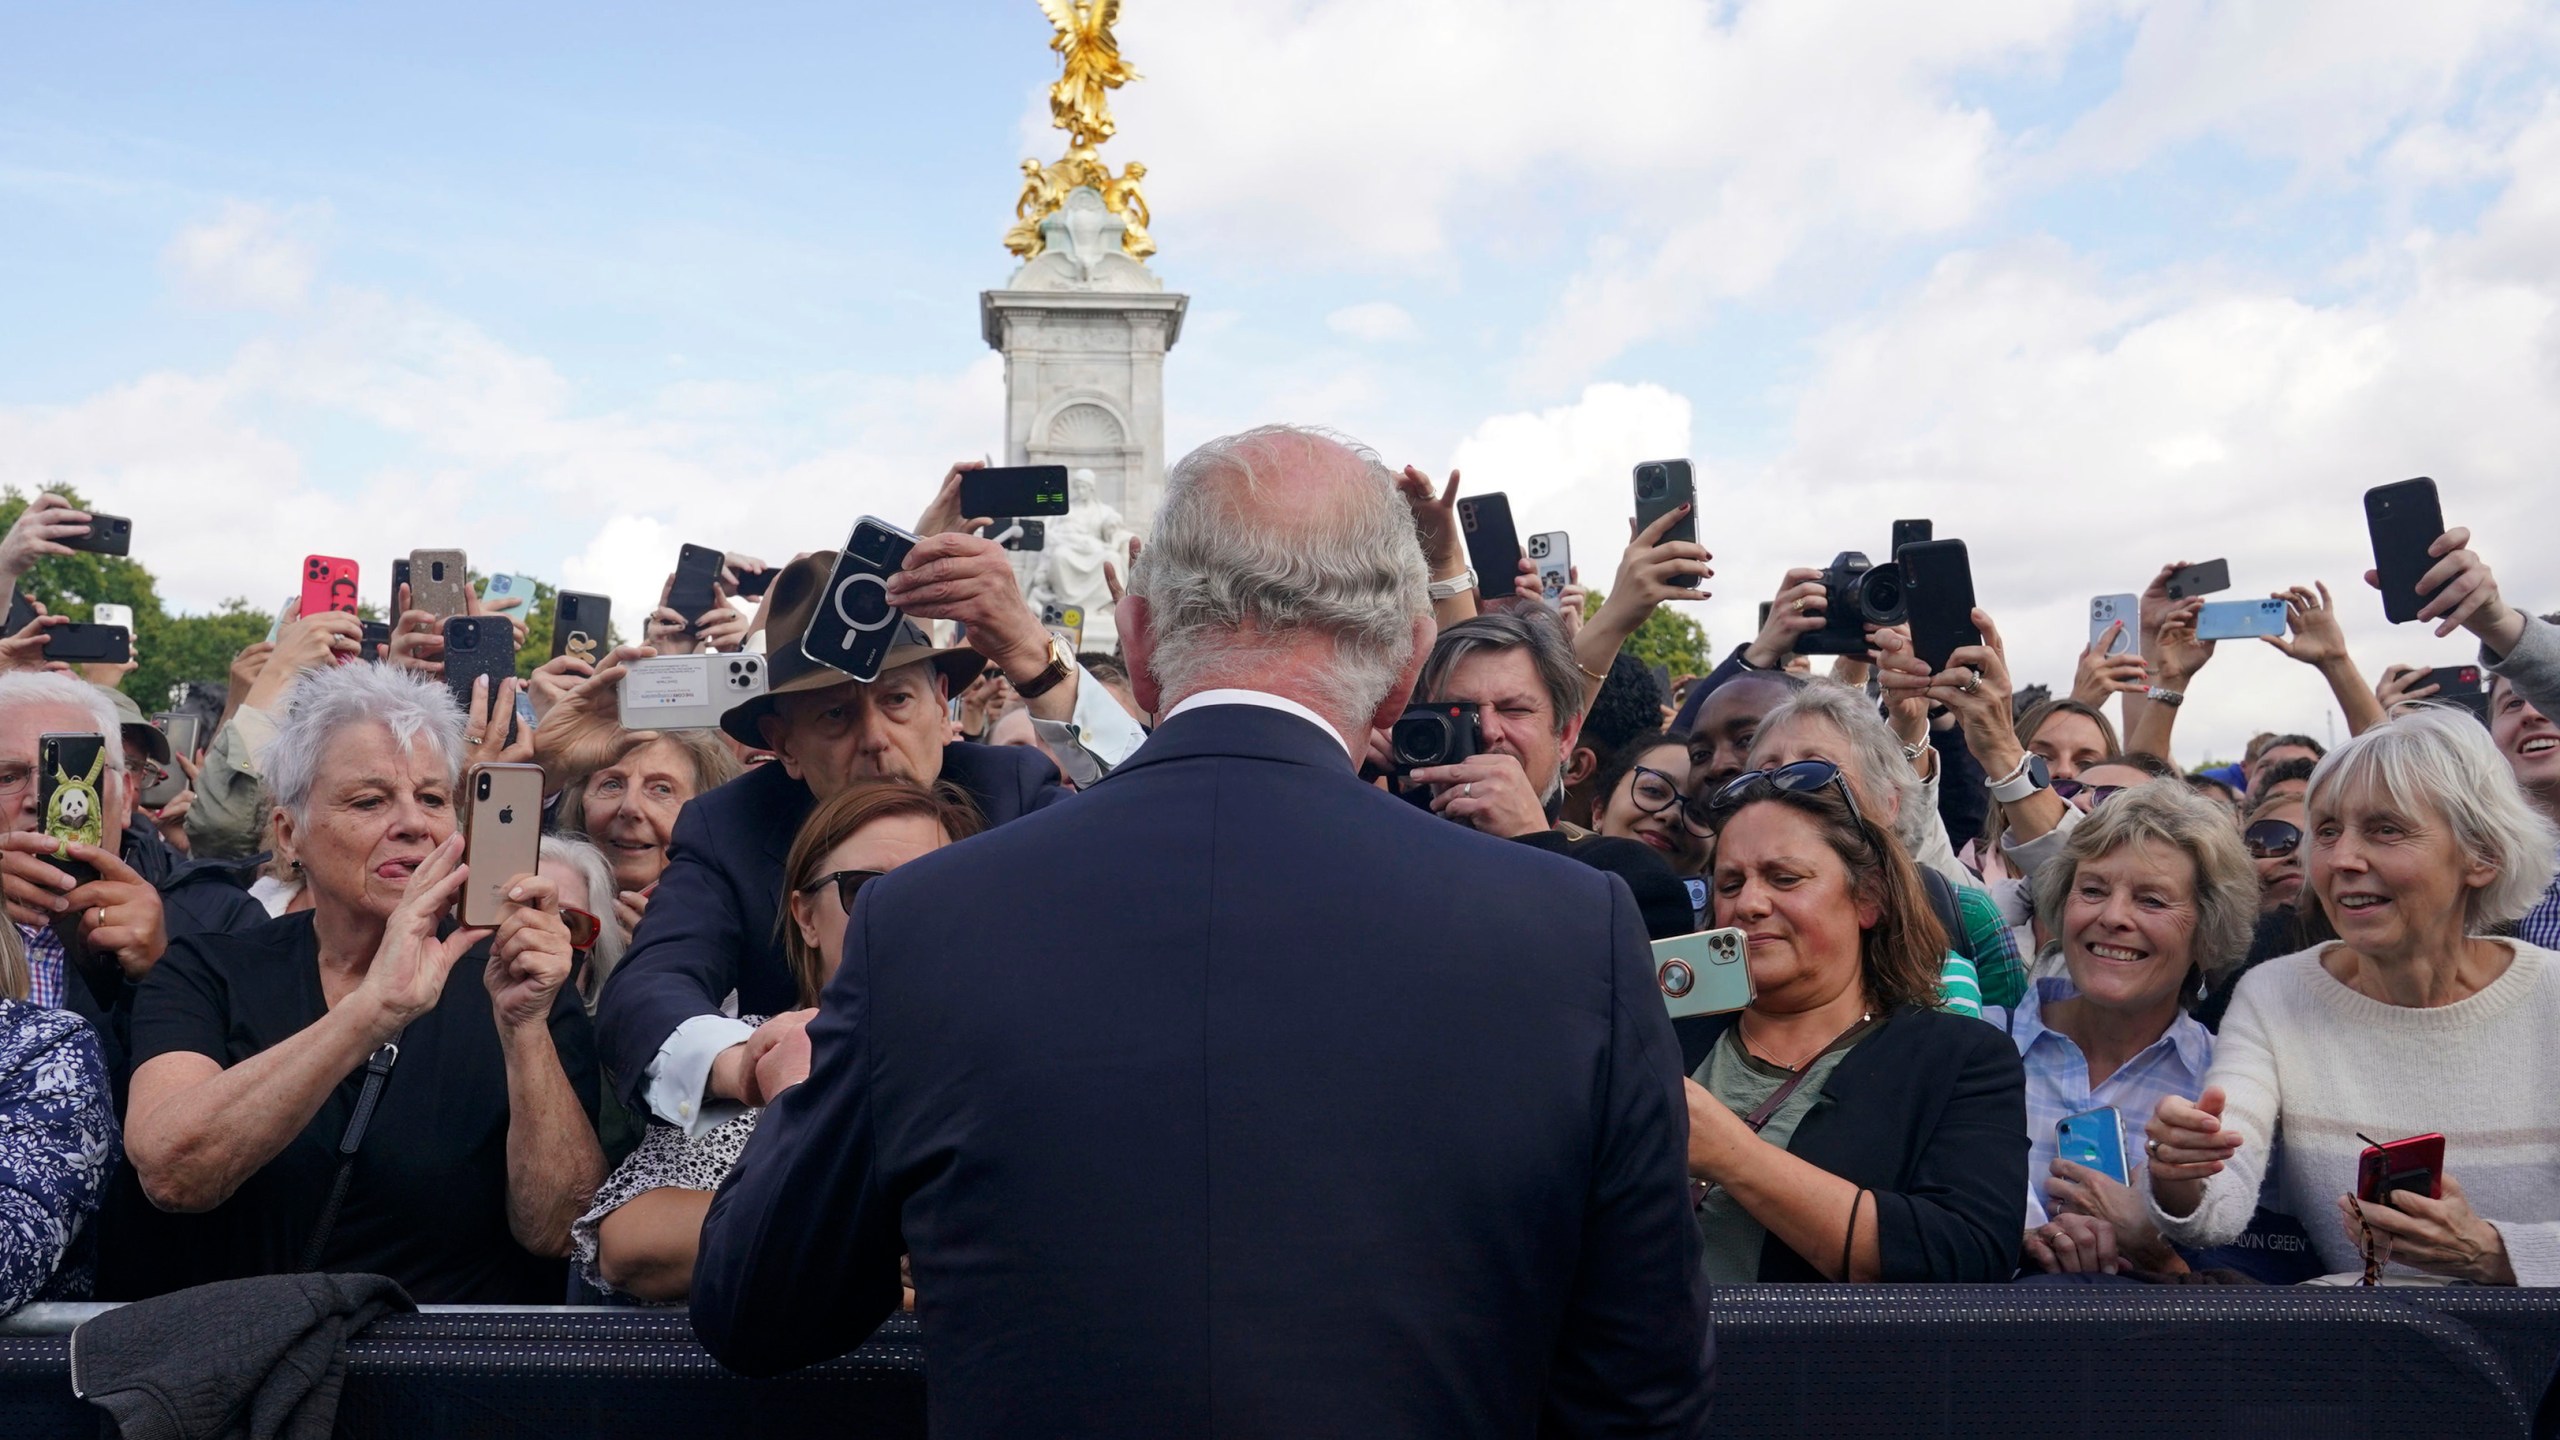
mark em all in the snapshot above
pixel 1083 425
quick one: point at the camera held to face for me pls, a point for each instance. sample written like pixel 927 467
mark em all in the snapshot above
pixel 1440 732
pixel 1855 595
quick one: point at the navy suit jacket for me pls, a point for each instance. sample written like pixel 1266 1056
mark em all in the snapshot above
pixel 714 923
pixel 1236 1098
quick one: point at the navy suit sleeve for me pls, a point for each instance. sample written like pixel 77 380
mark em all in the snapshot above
pixel 683 960
pixel 1960 1216
pixel 1636 1353
pixel 799 1255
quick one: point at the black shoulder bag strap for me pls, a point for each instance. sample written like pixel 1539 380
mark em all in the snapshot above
pixel 1759 1116
pixel 376 1072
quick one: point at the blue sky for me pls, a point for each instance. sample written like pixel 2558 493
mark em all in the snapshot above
pixel 2097 285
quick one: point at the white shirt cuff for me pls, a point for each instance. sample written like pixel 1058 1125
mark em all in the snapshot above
pixel 1095 737
pixel 680 1074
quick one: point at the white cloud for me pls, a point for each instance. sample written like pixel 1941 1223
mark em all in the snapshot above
pixel 1379 322
pixel 495 451
pixel 2078 432
pixel 248 256
pixel 2318 82
pixel 1571 467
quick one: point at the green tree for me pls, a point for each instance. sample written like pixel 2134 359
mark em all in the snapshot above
pixel 1668 637
pixel 194 648
pixel 70 584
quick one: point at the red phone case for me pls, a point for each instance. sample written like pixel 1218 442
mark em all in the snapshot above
pixel 2399 1157
pixel 328 583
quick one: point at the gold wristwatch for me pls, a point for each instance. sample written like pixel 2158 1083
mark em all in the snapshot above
pixel 1062 663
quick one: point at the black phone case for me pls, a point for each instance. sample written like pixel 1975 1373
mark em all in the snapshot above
pixel 1937 585
pixel 1014 490
pixel 697 579
pixel 1493 544
pixel 477 645
pixel 67 765
pixel 579 625
pixel 89 644
pixel 2209 578
pixel 22 612
pixel 856 626
pixel 2404 519
pixel 1912 532
pixel 108 535
pixel 375 640
pixel 399 578
pixel 1682 490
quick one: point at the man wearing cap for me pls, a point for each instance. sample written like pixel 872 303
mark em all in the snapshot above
pixel 712 929
pixel 197 897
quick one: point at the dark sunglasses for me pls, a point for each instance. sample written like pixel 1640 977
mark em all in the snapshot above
pixel 2098 794
pixel 2272 839
pixel 1801 777
pixel 848 884
pixel 584 929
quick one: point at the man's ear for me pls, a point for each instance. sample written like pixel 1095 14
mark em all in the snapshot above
pixel 777 734
pixel 1581 765
pixel 1399 695
pixel 1138 647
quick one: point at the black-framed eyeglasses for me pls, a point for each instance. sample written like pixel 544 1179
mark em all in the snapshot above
pixel 2272 839
pixel 1654 792
pixel 1800 777
pixel 848 884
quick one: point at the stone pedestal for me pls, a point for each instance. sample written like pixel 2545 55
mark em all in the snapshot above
pixel 1084 330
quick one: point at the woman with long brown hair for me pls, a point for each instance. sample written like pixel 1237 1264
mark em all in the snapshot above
pixel 1913 1166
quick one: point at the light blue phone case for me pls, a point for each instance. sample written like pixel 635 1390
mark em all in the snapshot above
pixel 2094 1138
pixel 2239 619
pixel 1703 974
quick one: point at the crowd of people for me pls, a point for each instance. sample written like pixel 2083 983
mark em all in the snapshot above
pixel 248 1033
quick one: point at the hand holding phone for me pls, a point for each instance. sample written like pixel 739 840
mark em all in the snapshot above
pixel 1493 545
pixel 1013 491
pixel 1663 486
pixel 2405 520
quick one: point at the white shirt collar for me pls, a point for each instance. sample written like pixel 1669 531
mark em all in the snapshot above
pixel 1267 701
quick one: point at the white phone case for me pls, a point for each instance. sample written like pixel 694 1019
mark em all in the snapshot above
pixel 688 692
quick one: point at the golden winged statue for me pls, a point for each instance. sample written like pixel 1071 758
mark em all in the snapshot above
pixel 1080 102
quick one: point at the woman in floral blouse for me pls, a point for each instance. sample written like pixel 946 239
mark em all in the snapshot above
pixel 58 1142
pixel 640 1236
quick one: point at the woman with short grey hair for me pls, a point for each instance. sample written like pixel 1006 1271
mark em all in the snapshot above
pixel 454 1062
pixel 2415 1022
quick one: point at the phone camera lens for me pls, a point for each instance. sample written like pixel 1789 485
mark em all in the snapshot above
pixel 1652 482
pixel 483 791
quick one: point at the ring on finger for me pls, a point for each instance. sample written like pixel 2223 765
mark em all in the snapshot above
pixel 2153 1146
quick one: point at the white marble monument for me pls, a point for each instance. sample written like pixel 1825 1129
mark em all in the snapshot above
pixel 1084 329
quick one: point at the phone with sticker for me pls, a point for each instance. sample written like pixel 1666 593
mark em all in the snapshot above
pixel 1553 552
pixel 688 692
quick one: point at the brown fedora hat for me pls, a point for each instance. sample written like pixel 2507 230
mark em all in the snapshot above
pixel 788 606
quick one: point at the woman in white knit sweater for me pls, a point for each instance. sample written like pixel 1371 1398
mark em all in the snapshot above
pixel 2412 1022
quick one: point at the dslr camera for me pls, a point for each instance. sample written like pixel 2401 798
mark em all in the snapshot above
pixel 1855 595
pixel 856 626
pixel 1437 732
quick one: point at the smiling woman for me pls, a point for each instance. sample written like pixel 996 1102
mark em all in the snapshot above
pixel 455 1060
pixel 2415 1022
pixel 629 808
pixel 2150 903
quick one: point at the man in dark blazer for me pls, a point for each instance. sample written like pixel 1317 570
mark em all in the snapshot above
pixel 1239 1097
pixel 712 925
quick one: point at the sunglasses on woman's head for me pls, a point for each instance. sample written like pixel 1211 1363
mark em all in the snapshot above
pixel 848 884
pixel 1801 777
pixel 2271 839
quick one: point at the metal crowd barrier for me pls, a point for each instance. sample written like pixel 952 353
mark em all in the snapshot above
pixel 1796 1362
